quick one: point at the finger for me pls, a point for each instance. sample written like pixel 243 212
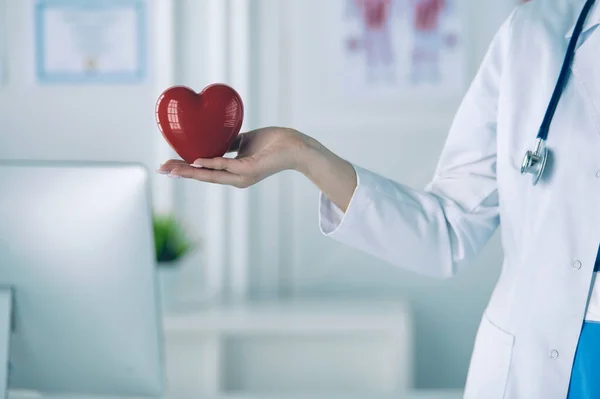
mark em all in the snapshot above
pixel 207 175
pixel 237 166
pixel 168 166
pixel 219 163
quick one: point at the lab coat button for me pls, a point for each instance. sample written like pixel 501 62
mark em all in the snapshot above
pixel 553 354
pixel 577 265
pixel 598 174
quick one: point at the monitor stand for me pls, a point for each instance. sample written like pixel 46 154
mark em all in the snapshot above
pixel 6 307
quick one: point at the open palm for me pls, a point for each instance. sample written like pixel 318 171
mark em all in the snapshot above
pixel 260 154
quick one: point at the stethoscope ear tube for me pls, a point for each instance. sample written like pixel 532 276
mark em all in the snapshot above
pixel 535 162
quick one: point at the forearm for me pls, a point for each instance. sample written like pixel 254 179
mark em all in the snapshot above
pixel 334 176
pixel 393 222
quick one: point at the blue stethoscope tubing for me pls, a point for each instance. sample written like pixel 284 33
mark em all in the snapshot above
pixel 534 162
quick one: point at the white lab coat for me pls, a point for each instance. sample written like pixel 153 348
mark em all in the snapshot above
pixel 528 335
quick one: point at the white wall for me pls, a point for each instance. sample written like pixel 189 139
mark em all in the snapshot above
pixel 69 122
pixel 400 139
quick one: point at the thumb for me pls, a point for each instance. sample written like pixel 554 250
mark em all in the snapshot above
pixel 237 143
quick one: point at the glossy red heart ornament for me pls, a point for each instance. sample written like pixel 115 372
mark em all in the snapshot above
pixel 200 125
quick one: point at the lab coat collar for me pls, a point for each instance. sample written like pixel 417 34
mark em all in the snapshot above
pixel 585 64
pixel 592 21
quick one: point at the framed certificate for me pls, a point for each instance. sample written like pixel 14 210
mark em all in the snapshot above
pixel 91 41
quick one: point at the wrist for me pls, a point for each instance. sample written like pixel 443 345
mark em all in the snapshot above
pixel 309 153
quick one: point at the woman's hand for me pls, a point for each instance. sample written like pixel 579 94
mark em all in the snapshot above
pixel 260 154
pixel 265 152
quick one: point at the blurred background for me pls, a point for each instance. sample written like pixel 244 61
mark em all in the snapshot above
pixel 263 303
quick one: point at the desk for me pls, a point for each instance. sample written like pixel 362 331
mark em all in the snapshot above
pixel 442 394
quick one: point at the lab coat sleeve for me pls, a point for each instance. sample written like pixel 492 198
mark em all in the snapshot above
pixel 435 230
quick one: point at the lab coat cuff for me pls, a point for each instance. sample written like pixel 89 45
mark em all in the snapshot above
pixel 332 220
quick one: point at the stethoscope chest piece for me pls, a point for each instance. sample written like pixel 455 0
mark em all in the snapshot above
pixel 534 162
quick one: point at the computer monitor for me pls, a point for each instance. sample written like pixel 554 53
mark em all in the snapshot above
pixel 79 312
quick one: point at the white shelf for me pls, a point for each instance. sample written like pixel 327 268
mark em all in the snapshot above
pixel 286 347
pixel 292 316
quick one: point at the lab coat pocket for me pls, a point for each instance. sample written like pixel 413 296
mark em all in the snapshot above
pixel 490 363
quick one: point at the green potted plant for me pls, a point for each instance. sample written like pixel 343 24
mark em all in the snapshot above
pixel 172 245
pixel 170 239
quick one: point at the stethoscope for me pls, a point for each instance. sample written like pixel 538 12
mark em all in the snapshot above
pixel 534 162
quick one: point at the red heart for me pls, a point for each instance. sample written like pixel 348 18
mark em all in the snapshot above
pixel 200 125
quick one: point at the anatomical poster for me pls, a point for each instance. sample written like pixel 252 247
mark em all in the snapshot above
pixel 403 47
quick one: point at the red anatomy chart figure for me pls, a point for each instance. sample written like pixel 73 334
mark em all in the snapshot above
pixel 377 40
pixel 428 39
pixel 375 16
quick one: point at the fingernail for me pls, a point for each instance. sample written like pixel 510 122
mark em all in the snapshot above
pixel 172 176
pixel 162 172
pixel 195 165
